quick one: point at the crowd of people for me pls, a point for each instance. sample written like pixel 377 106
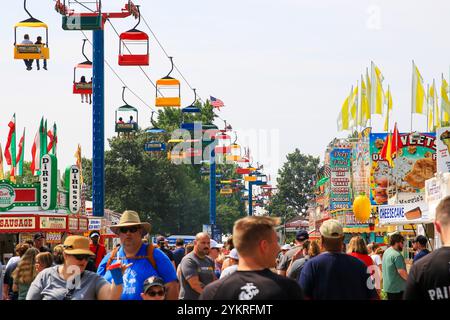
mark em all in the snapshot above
pixel 251 265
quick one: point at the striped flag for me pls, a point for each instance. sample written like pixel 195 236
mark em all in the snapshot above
pixel 2 173
pixel 53 140
pixel 19 160
pixel 79 163
pixel 445 101
pixel 327 171
pixel 36 151
pixel 10 150
pixel 216 103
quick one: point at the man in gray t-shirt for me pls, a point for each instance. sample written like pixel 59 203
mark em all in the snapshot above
pixel 300 238
pixel 197 269
pixel 49 285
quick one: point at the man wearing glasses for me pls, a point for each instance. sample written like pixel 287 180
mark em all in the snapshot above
pixel 145 260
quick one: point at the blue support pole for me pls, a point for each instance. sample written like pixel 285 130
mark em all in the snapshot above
pixel 98 125
pixel 212 187
pixel 250 198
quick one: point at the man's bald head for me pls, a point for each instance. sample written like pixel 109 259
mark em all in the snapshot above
pixel 201 244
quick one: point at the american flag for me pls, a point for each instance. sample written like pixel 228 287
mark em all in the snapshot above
pixel 216 103
pixel 327 171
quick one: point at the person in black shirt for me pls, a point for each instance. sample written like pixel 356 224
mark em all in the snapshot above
pixel 256 241
pixel 429 278
pixel 162 246
pixel 38 240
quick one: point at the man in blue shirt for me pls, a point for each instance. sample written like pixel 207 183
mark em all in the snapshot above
pixel 334 275
pixel 420 246
pixel 132 250
pixel 179 251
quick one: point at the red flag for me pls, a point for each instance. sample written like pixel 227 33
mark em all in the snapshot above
pixel 10 144
pixel 396 142
pixel 52 140
pixel 386 150
pixel 36 150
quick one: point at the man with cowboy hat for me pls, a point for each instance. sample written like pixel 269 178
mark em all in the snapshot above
pixel 146 259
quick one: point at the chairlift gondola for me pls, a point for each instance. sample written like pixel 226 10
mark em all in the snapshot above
pixel 29 50
pixel 80 14
pixel 83 86
pixel 134 38
pixel 168 90
pixel 132 124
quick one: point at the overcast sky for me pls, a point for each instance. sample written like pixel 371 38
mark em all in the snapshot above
pixel 281 67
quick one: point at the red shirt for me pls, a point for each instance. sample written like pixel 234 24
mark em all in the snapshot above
pixel 99 254
pixel 363 257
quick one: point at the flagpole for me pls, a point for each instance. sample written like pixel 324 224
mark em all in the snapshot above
pixel 412 96
pixel 428 108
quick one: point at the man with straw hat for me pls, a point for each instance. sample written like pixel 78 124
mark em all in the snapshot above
pixel 71 280
pixel 146 260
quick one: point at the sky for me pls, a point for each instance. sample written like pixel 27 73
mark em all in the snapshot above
pixel 283 68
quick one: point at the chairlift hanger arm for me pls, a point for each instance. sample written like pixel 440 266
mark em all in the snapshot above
pixel 168 75
pixel 26 10
pixel 84 44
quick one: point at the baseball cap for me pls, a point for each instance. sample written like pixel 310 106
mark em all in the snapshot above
pixel 214 244
pixel 421 239
pixel 302 235
pixel 94 234
pixel 331 229
pixel 38 236
pixel 153 281
pixel 234 254
pixel 286 247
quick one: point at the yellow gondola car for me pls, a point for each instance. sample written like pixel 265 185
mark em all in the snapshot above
pixel 168 91
pixel 31 51
pixel 174 155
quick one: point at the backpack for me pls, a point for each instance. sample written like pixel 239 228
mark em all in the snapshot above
pixel 149 256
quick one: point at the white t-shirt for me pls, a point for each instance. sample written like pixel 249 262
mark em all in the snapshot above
pixel 228 270
pixel 376 259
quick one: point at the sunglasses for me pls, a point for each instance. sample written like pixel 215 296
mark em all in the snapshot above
pixel 155 293
pixel 126 229
pixel 81 257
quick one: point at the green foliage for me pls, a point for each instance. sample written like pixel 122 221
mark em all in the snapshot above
pixel 294 185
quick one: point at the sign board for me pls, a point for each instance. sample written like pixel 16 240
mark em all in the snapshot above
pixel 83 224
pixel 7 196
pixel 17 195
pixel 443 149
pixel 72 182
pixel 48 180
pixel 340 179
pixel 73 224
pixel 53 223
pixel 17 223
pixel 403 214
pixel 95 224
pixel 416 162
pixel 53 237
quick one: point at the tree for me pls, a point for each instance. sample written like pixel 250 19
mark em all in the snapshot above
pixel 295 185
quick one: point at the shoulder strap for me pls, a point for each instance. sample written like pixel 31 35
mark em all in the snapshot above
pixel 112 257
pixel 150 256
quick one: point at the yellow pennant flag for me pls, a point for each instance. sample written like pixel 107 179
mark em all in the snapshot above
pixel 343 118
pixel 353 103
pixel 376 99
pixel 418 92
pixel 389 103
pixel 365 106
pixel 445 102
pixel 435 104
pixel 78 163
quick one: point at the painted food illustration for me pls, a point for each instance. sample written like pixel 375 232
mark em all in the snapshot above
pixel 423 169
pixel 413 214
pixel 445 138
